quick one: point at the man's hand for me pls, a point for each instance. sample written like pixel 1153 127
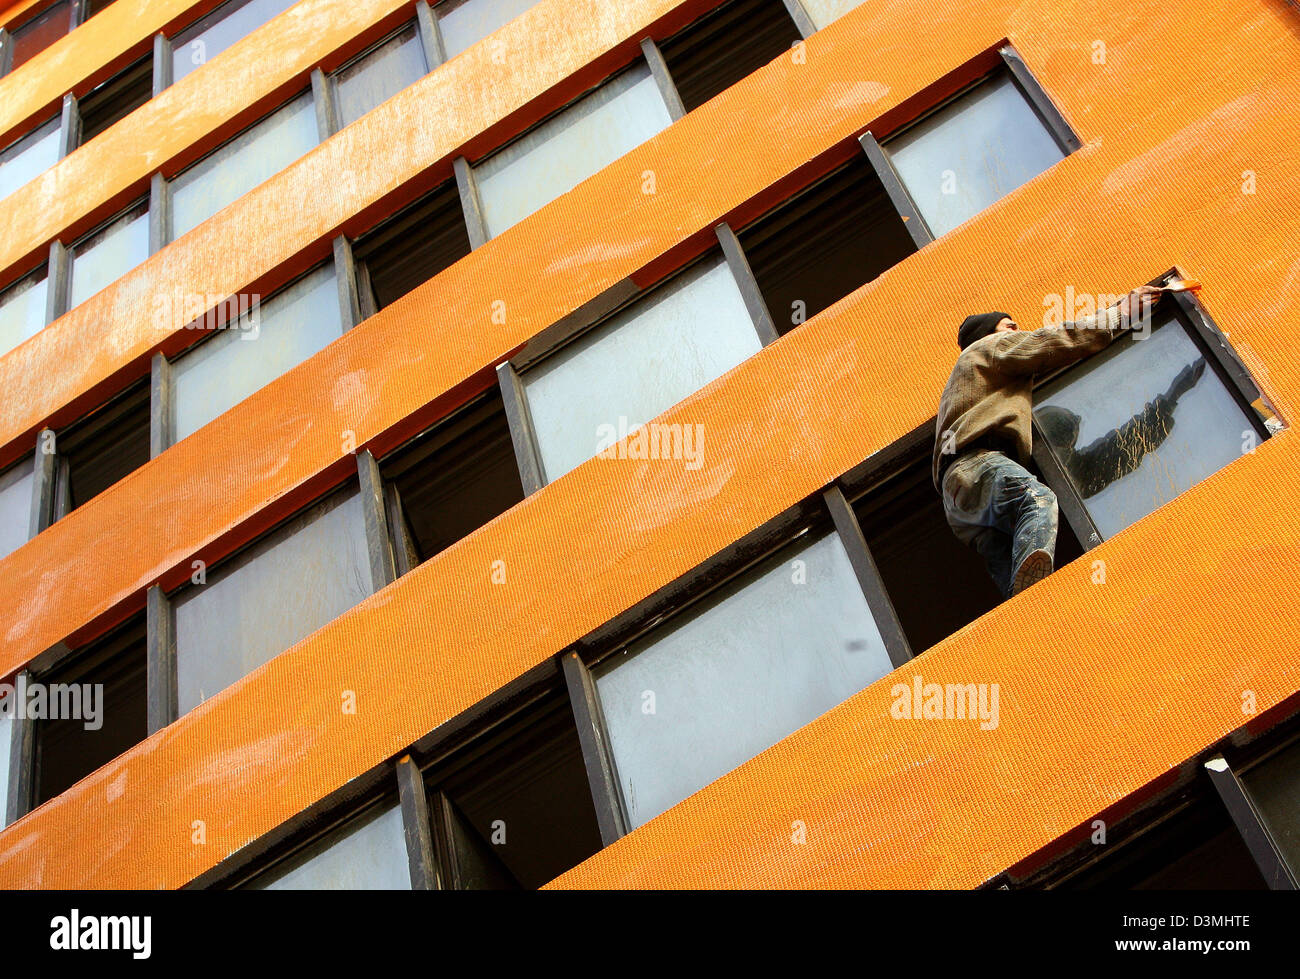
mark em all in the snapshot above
pixel 1138 303
pixel 1186 379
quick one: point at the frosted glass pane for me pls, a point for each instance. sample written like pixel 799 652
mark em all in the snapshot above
pixel 465 23
pixel 638 365
pixel 283 589
pixel 260 152
pixel 225 369
pixel 567 149
pixel 380 75
pixel 110 254
pixel 28 158
pixel 1140 423
pixel 973 152
pixel 369 855
pixel 771 652
pixel 22 312
pixel 6 729
pixel 199 44
pixel 823 12
pixel 16 486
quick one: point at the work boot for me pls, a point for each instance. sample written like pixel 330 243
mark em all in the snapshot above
pixel 1036 566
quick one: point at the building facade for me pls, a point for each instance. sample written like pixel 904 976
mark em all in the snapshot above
pixel 487 444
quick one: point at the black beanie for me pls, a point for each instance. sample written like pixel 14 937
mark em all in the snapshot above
pixel 978 326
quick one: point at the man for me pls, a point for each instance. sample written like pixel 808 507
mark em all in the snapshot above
pixel 983 435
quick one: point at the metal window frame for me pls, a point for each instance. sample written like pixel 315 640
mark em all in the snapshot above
pixel 615 301
pixel 76 17
pixel 1013 65
pixel 1193 319
pixel 425 36
pixel 1250 825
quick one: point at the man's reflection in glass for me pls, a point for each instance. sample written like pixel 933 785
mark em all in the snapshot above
pixel 1120 451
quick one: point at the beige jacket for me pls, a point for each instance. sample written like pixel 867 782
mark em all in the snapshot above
pixel 990 390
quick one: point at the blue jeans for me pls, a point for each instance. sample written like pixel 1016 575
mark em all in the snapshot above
pixel 996 506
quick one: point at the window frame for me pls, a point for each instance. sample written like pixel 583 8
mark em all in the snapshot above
pixel 1190 316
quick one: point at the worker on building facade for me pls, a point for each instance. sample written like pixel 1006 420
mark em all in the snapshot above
pixel 983 434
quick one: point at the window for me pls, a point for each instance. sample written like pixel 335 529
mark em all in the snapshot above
pixel 566 149
pixel 637 364
pixel 816 249
pixel 17 488
pixel 1273 786
pixel 29 157
pixel 22 310
pixel 274 593
pixel 6 746
pixel 260 152
pixel 972 151
pixel 462 23
pixel 767 653
pixel 40 32
pixel 239 359
pixel 116 99
pixel 452 480
pixel 410 248
pixel 724 46
pixel 104 256
pixel 380 74
pixel 825 12
pixel 106 685
pixel 104 448
pixel 1150 416
pixel 514 809
pixel 369 853
pixel 203 41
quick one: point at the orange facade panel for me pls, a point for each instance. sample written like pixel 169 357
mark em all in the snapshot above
pixel 110 40
pixel 1138 198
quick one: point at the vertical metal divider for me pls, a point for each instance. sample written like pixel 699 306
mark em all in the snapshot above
pixel 69 125
pixel 45 474
pixel 162 671
pixel 322 96
pixel 471 204
pixel 522 435
pixel 864 566
pixel 802 19
pixel 435 51
pixel 1043 106
pixel 749 290
pixel 22 762
pixel 416 826
pixel 160 210
pixel 58 272
pixel 898 195
pixel 1263 849
pixel 345 277
pixel 6 52
pixel 162 406
pixel 663 78
pixel 594 740
pixel 379 545
pixel 162 63
pixel 405 554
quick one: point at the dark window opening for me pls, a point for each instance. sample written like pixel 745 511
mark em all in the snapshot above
pixel 411 248
pixel 1194 848
pixel 516 809
pixel 116 98
pixel 40 32
pixel 817 248
pixel 455 478
pixel 720 49
pixel 104 448
pixel 66 751
pixel 935 582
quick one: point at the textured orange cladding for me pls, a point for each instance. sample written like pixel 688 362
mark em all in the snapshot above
pixel 115 36
pixel 188 118
pixel 289 219
pixel 378 375
pixel 1201 599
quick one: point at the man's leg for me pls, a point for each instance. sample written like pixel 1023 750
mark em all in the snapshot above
pixel 987 492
